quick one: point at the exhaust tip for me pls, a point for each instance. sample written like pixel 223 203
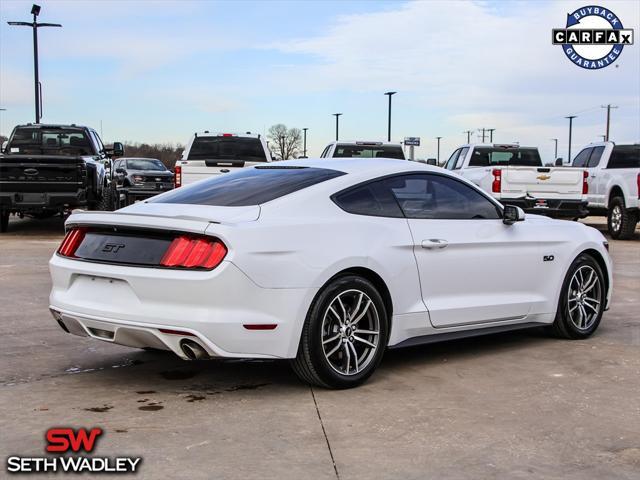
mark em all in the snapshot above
pixel 193 350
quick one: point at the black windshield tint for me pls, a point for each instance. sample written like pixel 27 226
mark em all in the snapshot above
pixel 227 148
pixel 145 164
pixel 625 156
pixel 53 141
pixel 368 151
pixel 249 186
pixel 491 156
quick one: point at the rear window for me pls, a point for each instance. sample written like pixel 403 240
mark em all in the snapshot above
pixel 490 156
pixel 50 141
pixel 368 151
pixel 625 156
pixel 231 149
pixel 249 186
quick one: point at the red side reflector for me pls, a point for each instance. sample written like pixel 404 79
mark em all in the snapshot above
pixel 176 332
pixel 71 242
pixel 194 252
pixel 260 326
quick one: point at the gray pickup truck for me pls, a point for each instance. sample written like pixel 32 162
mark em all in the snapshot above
pixel 51 169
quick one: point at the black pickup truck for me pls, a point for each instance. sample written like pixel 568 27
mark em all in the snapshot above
pixel 50 169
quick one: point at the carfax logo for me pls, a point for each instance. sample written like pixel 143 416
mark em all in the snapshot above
pixel 593 37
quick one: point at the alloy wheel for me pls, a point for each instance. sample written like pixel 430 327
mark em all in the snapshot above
pixel 584 297
pixel 350 332
pixel 616 218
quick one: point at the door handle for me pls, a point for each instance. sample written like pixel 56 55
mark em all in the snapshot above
pixel 433 243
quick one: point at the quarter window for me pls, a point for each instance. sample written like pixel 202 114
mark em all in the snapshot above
pixel 373 198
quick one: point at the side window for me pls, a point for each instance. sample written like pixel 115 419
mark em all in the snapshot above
pixel 452 160
pixel 325 151
pixel 479 158
pixel 582 158
pixel 461 157
pixel 373 199
pixel 594 159
pixel 429 196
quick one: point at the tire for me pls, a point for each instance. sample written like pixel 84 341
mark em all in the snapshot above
pixel 582 300
pixel 4 221
pixel 105 203
pixel 330 331
pixel 620 221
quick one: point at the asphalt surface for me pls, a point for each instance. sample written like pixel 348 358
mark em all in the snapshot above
pixel 516 405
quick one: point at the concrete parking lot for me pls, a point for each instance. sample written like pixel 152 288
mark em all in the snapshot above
pixel 518 405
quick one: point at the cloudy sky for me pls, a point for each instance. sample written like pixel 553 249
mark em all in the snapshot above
pixel 156 71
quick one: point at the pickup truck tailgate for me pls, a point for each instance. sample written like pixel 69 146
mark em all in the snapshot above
pixel 542 182
pixel 32 174
pixel 194 170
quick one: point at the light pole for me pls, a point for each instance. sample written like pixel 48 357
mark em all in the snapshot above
pixel 35 11
pixel 468 132
pixel 555 155
pixel 304 148
pixel 491 130
pixel 438 138
pixel 389 94
pixel 337 115
pixel 282 147
pixel 570 117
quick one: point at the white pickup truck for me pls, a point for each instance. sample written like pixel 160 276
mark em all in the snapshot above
pixel 362 149
pixel 515 175
pixel 614 184
pixel 209 154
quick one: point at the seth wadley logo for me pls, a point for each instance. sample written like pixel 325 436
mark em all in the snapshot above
pixel 593 37
pixel 67 440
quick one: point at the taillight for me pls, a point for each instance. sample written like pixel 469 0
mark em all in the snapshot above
pixel 71 242
pixel 177 177
pixel 496 186
pixel 638 185
pixel 585 185
pixel 194 252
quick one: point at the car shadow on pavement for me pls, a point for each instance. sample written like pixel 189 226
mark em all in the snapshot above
pixel 47 227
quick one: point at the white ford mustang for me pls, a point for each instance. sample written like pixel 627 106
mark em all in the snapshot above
pixel 325 262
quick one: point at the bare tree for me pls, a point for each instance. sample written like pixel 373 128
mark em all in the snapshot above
pixel 284 142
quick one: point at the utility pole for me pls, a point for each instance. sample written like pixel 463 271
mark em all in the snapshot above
pixel 35 11
pixel 468 132
pixel 570 117
pixel 491 130
pixel 304 149
pixel 608 107
pixel 555 155
pixel 337 115
pixel 389 94
pixel 438 138
pixel 282 145
pixel 482 134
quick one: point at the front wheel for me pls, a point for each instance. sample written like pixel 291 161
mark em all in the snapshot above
pixel 582 300
pixel 344 335
pixel 620 221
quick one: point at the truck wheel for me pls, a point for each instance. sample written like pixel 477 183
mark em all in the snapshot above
pixel 106 200
pixel 621 222
pixel 4 221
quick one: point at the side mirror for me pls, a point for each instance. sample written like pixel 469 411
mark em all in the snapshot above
pixel 432 161
pixel 559 162
pixel 118 149
pixel 512 214
pixel 4 146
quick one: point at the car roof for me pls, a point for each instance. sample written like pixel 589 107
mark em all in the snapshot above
pixel 366 143
pixel 52 125
pixel 372 167
pixel 228 134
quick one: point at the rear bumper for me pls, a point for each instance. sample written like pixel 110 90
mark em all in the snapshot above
pixel 550 207
pixel 129 306
pixel 27 202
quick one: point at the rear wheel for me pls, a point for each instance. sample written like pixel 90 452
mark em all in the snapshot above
pixel 582 300
pixel 344 335
pixel 620 221
pixel 4 221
